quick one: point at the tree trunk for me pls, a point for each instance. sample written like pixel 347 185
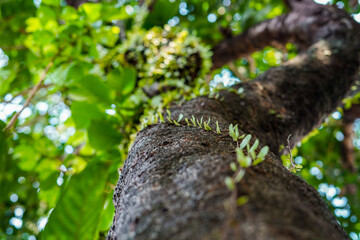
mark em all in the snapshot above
pixel 172 184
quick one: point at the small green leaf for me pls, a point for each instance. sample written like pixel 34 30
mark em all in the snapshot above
pixel 92 11
pixel 229 182
pixel 298 167
pixel 233 166
pixel 239 153
pixel 169 116
pixel 161 117
pixel 245 141
pixel 244 161
pixel 208 122
pixel 180 117
pixel 263 152
pixel 193 120
pixel 112 12
pixel 242 200
pixel 187 122
pixel 232 132
pixel 200 122
pixel 240 90
pixel 217 127
pixel 254 146
pixel 176 123
pixel 240 175
pixel 207 127
pixel 236 130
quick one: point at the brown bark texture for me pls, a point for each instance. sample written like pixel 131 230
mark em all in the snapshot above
pixel 172 184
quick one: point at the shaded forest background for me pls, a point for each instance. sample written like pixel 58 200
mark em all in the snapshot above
pixel 77 84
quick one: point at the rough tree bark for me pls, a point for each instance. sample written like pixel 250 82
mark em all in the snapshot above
pixel 172 184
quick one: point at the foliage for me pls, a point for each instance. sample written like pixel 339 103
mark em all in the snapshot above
pixel 107 59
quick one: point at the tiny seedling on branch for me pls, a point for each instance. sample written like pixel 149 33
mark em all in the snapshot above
pixel 246 153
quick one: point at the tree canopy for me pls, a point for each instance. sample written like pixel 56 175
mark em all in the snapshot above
pixel 78 81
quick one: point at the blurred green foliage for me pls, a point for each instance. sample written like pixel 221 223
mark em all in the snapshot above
pixel 67 147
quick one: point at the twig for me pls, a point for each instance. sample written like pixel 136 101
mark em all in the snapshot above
pixel 33 91
pixel 23 93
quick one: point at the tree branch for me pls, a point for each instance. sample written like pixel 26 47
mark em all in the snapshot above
pixel 304 26
pixel 33 91
pixel 284 99
pixel 23 93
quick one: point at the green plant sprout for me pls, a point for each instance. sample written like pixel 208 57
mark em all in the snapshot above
pixel 246 155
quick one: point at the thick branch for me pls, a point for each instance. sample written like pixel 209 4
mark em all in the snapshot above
pixel 296 97
pixel 305 26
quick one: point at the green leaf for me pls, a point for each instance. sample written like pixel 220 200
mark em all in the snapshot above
pixel 77 213
pixel 187 122
pixel 217 128
pixel 263 152
pixel 193 120
pixel 43 37
pixel 242 200
pixel 236 130
pixel 244 161
pixel 77 71
pixel 180 117
pixel 169 116
pixel 92 11
pixel 240 175
pixel 51 2
pixel 207 127
pixel 114 12
pixel 233 166
pixel 27 157
pixel 102 135
pixel 231 132
pixel 122 80
pixel 200 122
pixel 229 182
pixel 83 113
pixel 94 85
pixel 161 117
pixel 69 13
pixel 254 146
pixel 6 78
pixel 245 141
pixel 161 12
pixel 107 215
